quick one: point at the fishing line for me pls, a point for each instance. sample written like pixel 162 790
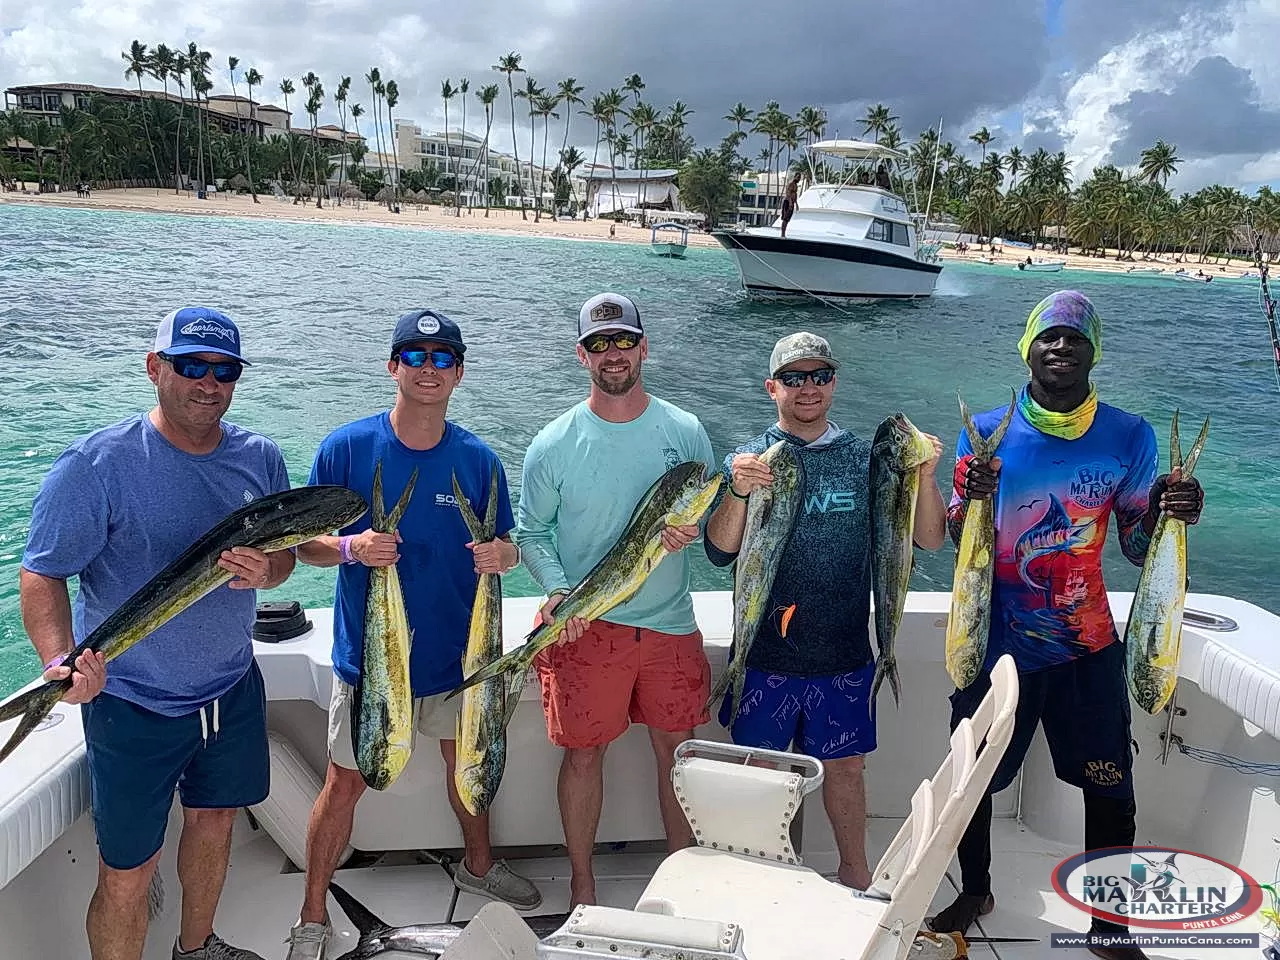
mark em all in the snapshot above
pixel 1264 295
pixel 817 296
pixel 1205 755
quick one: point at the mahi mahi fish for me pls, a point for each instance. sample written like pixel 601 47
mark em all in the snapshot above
pixel 486 707
pixel 897 452
pixel 274 522
pixel 969 624
pixel 382 708
pixel 679 497
pixel 771 513
pixel 423 939
pixel 1153 634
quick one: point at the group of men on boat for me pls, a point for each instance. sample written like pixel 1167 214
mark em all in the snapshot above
pixel 184 710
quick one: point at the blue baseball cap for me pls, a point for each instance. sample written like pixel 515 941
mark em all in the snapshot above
pixel 198 330
pixel 419 325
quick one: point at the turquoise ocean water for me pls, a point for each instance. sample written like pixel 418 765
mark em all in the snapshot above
pixel 81 294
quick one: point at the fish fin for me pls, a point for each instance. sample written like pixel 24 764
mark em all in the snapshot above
pixel 895 684
pixel 33 707
pixel 504 663
pixel 378 521
pixel 468 512
pixel 368 923
pixel 1189 464
pixel 402 504
pixel 1175 446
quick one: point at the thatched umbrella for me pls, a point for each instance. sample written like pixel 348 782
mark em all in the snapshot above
pixel 384 195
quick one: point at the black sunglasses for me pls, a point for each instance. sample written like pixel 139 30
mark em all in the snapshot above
pixel 224 371
pixel 440 359
pixel 599 342
pixel 796 378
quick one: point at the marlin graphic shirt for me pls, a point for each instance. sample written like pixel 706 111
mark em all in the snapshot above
pixel 1053 504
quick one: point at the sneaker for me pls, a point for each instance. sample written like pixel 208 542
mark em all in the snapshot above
pixel 962 914
pixel 500 883
pixel 215 948
pixel 308 941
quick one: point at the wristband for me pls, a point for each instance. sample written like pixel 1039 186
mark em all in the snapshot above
pixel 344 549
pixel 737 496
pixel 56 661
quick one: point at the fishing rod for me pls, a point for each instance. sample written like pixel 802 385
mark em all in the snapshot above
pixel 1268 304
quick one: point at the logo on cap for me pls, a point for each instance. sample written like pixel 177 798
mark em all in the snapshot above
pixel 428 324
pixel 208 328
pixel 608 310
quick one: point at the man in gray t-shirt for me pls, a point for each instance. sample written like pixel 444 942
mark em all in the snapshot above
pixel 184 708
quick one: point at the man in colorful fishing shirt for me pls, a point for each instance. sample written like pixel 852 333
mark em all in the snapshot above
pixel 1067 465
pixel 810 669
pixel 437 566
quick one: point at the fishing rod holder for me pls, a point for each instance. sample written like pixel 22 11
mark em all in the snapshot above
pixel 1203 620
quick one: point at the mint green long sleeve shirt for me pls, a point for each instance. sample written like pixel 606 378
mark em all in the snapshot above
pixel 581 480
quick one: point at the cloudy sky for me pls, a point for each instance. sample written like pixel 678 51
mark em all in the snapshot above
pixel 1100 79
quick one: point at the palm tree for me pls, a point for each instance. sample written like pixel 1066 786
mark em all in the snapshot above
pixel 1159 162
pixel 179 77
pixel 545 108
pixel 982 138
pixel 252 78
pixel 813 122
pixel 447 93
pixel 232 63
pixel 677 120
pixel 571 159
pixel 136 57
pixel 464 85
pixel 1013 162
pixel 509 64
pixel 568 90
pixel 315 98
pixel 201 62
pixel 488 96
pixel 286 88
pixel 531 92
pixel 357 111
pixel 391 97
pixel 599 112
pixel 340 98
pixel 633 85
pixel 738 115
pixel 877 120
pixel 374 79
pixel 643 118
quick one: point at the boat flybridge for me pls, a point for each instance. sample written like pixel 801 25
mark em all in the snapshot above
pixel 850 238
pixel 758 884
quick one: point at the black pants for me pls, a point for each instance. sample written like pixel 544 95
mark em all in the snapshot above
pixel 1084 708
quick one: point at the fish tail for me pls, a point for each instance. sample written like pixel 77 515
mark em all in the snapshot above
pixel 721 686
pixel 1189 465
pixel 997 435
pixel 32 706
pixel 402 504
pixel 368 923
pixel 511 661
pixel 468 512
pixel 970 428
pixel 886 669
pixel 491 508
pixel 378 520
pixel 739 681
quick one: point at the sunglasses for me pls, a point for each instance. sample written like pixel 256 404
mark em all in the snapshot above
pixel 796 378
pixel 440 359
pixel 599 342
pixel 226 371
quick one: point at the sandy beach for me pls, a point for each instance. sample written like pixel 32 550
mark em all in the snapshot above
pixel 433 217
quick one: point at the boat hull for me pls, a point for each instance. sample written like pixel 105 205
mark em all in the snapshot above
pixel 773 267
pixel 668 249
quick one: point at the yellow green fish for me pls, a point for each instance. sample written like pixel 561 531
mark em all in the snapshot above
pixel 1153 633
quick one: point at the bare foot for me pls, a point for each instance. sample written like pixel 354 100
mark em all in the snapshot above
pixel 857 877
pixel 582 894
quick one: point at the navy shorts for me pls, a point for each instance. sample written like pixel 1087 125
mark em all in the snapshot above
pixel 1084 707
pixel 825 717
pixel 137 758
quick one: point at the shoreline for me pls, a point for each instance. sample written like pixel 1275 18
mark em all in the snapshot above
pixel 368 213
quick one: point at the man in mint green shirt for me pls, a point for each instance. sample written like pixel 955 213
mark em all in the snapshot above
pixel 583 475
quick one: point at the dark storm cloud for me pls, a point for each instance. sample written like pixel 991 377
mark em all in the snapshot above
pixel 1091 28
pixel 1213 110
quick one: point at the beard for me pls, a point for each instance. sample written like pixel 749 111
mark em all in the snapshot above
pixel 614 386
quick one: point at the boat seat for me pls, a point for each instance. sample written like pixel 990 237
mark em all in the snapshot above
pixel 744 871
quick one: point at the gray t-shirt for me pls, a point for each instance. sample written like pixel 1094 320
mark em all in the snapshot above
pixel 117 507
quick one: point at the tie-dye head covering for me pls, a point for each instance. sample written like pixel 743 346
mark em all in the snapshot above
pixel 1066 308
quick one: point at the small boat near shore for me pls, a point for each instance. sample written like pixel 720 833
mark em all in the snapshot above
pixel 663 239
pixel 1197 277
pixel 1041 266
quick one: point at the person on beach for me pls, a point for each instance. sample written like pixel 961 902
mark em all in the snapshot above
pixel 184 710
pixel 583 474
pixel 438 565
pixel 1067 465
pixel 808 682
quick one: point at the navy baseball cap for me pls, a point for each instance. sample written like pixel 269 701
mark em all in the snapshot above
pixel 419 325
pixel 198 330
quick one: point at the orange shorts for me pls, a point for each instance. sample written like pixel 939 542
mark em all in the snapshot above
pixel 592 690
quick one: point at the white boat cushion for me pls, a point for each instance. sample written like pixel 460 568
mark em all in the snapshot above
pixel 44 788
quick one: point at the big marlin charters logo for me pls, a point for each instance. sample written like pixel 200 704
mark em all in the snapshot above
pixel 1157 888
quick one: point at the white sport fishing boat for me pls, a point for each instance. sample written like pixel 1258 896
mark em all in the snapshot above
pixel 846 240
pixel 757 887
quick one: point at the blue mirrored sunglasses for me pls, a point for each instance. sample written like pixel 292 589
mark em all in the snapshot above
pixel 796 378
pixel 193 368
pixel 440 359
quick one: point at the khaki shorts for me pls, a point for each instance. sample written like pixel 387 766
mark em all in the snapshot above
pixel 433 718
